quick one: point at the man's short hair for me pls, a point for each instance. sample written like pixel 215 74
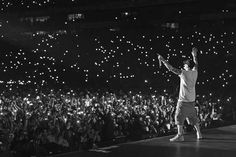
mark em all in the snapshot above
pixel 189 62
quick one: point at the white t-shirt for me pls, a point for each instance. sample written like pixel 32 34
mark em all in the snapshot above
pixel 188 79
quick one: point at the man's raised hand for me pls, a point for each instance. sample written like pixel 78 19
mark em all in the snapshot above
pixel 194 51
pixel 160 58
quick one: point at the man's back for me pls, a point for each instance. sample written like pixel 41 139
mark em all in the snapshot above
pixel 188 80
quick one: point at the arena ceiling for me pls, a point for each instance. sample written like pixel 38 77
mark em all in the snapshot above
pixel 116 14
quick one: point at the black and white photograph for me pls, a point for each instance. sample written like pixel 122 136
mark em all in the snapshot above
pixel 117 78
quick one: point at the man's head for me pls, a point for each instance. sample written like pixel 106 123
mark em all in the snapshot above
pixel 187 64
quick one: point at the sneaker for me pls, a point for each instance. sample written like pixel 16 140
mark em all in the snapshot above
pixel 177 138
pixel 199 136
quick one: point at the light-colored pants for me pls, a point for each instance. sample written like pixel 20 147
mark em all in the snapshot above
pixel 186 110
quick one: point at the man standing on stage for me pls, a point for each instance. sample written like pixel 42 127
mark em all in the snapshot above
pixel 185 108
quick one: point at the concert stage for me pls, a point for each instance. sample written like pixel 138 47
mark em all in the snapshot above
pixel 217 142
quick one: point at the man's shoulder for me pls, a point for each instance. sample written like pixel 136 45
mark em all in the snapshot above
pixel 188 72
pixel 192 70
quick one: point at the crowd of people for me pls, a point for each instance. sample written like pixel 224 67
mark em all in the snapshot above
pixel 55 121
pixel 43 119
pixel 48 121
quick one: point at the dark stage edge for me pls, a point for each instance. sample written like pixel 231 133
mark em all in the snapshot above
pixel 217 142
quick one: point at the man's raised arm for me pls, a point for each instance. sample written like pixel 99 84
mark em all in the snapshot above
pixel 168 66
pixel 194 54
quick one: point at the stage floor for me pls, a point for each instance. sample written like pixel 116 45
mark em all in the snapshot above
pixel 217 142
